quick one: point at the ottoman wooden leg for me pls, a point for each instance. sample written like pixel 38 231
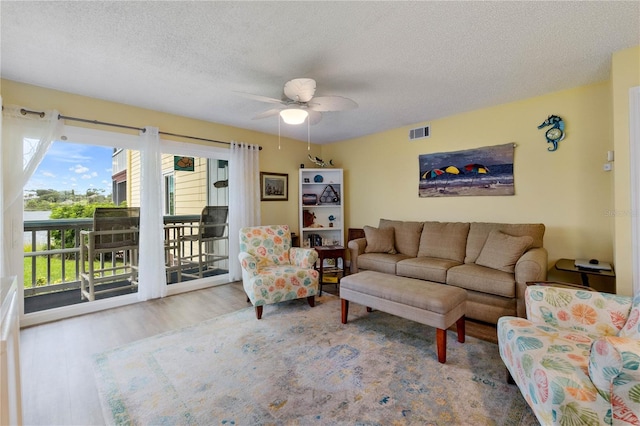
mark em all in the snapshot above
pixel 345 310
pixel 460 328
pixel 441 345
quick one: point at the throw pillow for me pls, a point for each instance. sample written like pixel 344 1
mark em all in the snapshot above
pixel 405 234
pixel 444 240
pixel 501 251
pixel 379 240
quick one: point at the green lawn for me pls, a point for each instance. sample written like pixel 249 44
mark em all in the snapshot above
pixel 56 270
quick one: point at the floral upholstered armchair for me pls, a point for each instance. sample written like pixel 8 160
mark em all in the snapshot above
pixel 576 359
pixel 272 270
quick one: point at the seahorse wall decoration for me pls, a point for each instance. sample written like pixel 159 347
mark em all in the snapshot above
pixel 556 133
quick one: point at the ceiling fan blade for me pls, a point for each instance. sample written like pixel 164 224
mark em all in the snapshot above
pixel 268 113
pixel 300 89
pixel 331 103
pixel 314 117
pixel 260 98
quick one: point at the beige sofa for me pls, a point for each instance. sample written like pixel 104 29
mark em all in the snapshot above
pixel 492 261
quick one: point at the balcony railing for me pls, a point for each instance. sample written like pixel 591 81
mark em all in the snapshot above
pixel 42 249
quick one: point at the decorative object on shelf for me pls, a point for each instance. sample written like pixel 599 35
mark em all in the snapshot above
pixel 556 133
pixel 309 218
pixel 306 180
pixel 481 171
pixel 309 199
pixel 331 219
pixel 329 195
pixel 319 161
pixel 274 186
pixel 318 178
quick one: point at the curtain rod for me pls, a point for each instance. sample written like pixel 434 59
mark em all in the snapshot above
pixel 122 126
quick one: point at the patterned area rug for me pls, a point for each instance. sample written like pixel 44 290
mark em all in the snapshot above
pixel 300 366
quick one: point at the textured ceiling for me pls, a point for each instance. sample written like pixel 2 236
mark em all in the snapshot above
pixel 402 62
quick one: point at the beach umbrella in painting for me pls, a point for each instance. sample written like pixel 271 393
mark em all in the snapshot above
pixel 451 170
pixel 433 174
pixel 477 169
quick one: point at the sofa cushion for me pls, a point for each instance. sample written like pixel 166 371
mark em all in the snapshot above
pixel 425 268
pixel 407 235
pixel 482 279
pixel 381 262
pixel 445 240
pixel 501 251
pixel 379 240
pixel 479 231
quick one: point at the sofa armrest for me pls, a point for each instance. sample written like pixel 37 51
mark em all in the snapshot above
pixel 356 248
pixel 248 263
pixel 532 266
pixel 303 257
pixel 614 368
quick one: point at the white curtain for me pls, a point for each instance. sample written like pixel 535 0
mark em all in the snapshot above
pixel 25 140
pixel 152 281
pixel 244 198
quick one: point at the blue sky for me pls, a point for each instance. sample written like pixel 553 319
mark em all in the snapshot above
pixel 70 166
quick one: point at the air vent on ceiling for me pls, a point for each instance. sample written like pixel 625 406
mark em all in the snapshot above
pixel 419 133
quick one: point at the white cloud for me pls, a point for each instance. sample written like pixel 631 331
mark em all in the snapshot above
pixel 78 168
pixel 94 174
pixel 73 179
pixel 48 174
pixel 86 176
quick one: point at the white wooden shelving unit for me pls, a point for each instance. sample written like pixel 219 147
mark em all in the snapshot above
pixel 327 186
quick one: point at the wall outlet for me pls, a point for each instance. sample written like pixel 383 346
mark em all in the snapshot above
pixel 606 167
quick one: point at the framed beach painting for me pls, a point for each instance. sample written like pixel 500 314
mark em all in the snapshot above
pixel 480 171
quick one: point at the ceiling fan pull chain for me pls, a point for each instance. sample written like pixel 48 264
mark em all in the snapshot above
pixel 278 132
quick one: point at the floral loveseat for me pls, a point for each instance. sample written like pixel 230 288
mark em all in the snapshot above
pixel 576 359
pixel 272 270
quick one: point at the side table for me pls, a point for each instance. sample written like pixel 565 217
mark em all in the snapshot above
pixel 330 252
pixel 568 265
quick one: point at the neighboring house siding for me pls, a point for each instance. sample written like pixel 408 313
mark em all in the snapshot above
pixel 133 183
pixel 191 188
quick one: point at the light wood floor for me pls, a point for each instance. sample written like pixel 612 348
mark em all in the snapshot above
pixel 58 383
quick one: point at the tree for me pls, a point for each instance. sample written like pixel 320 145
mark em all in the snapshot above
pixel 72 211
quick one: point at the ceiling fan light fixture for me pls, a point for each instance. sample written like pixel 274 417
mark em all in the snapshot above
pixel 294 115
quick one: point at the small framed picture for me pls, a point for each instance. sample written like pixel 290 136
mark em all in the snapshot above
pixel 274 186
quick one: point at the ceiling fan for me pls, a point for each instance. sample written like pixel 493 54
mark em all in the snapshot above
pixel 298 102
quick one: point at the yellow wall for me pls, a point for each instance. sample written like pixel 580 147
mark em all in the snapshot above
pixel 625 74
pixel 567 190
pixel 286 160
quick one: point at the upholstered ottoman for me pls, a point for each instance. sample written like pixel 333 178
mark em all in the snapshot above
pixel 433 304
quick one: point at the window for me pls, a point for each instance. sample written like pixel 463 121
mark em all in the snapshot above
pixel 169 193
